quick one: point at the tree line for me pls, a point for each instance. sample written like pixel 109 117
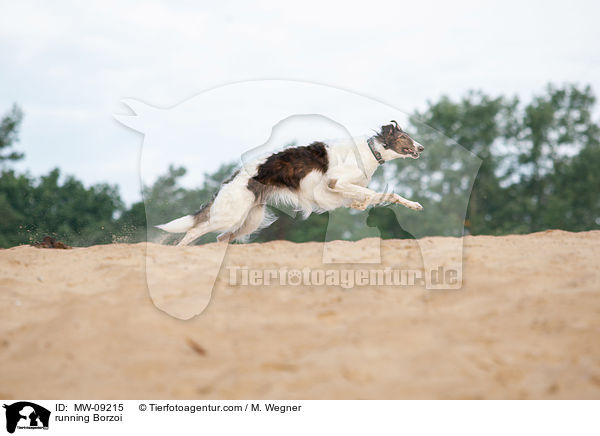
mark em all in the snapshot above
pixel 536 165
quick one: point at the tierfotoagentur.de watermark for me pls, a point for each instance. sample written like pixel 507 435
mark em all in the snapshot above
pixel 234 118
pixel 344 278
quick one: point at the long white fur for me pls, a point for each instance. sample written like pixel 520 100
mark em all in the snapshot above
pixel 178 225
pixel 235 213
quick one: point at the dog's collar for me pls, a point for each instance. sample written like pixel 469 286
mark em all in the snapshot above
pixel 376 154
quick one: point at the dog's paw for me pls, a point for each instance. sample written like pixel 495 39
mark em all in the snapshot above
pixel 406 203
pixel 414 205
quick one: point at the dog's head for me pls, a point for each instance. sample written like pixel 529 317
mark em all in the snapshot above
pixel 394 138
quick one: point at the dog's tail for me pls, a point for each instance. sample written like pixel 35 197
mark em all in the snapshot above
pixel 179 225
pixel 186 223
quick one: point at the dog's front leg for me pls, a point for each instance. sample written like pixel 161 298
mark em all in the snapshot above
pixel 395 198
pixel 363 197
pixel 406 203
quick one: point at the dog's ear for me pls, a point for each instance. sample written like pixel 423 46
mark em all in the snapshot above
pixel 396 124
pixel 387 130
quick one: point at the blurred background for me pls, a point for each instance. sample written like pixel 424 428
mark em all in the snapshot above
pixel 513 83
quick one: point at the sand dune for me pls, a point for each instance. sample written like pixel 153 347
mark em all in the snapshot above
pixel 526 324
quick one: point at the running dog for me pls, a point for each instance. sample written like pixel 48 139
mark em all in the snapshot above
pixel 313 178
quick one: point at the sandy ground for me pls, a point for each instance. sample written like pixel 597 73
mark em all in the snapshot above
pixel 80 324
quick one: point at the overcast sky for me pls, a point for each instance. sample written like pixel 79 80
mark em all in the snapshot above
pixel 69 64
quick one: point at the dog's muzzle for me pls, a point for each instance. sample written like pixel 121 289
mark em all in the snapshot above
pixel 418 150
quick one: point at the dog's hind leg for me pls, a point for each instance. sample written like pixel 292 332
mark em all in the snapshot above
pixel 256 219
pixel 253 222
pixel 232 216
pixel 195 232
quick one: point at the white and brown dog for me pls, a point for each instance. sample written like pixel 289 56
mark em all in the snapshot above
pixel 313 178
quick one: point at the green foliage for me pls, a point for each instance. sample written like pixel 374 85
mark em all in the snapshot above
pixel 9 134
pixel 537 163
pixel 75 214
pixel 557 185
pixel 477 123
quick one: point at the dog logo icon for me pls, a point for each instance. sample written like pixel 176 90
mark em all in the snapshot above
pixel 26 415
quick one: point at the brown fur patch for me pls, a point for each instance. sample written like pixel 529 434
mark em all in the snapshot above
pixel 204 213
pixel 287 168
